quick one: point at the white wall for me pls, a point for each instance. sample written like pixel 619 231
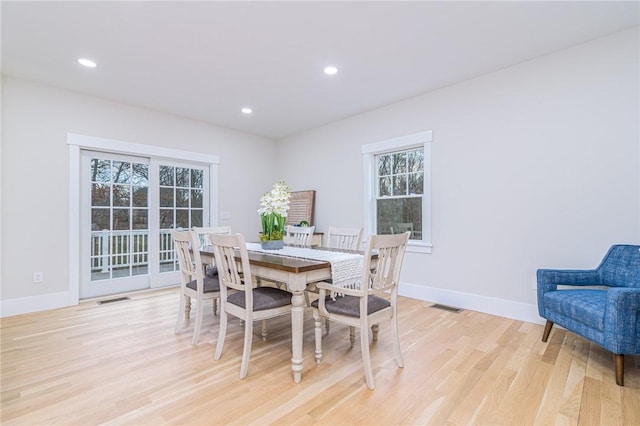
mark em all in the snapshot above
pixel 536 165
pixel 35 196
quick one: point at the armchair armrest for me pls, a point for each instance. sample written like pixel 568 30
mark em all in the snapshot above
pixel 622 320
pixel 338 289
pixel 549 279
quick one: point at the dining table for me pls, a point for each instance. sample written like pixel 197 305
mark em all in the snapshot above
pixel 297 273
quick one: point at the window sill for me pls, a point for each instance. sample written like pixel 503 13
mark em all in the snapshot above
pixel 419 247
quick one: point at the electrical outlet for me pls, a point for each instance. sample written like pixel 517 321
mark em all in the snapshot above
pixel 38 277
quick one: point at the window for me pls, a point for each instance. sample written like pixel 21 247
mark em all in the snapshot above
pixel 397 188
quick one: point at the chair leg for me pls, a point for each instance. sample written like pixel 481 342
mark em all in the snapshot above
pixel 221 333
pixel 327 325
pixel 180 321
pixel 618 362
pixel 215 305
pixel 374 331
pixel 366 357
pixel 395 340
pixel 306 299
pixel 352 335
pixel 246 351
pixel 196 330
pixel 265 330
pixel 547 330
pixel 187 308
pixel 318 333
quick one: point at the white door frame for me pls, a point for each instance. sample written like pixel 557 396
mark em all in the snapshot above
pixel 77 143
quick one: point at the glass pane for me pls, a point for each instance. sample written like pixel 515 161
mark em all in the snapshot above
pixel 397 215
pixel 196 198
pixel 140 196
pixel 121 172
pixel 400 185
pixel 384 165
pixel 399 162
pixel 166 219
pixel 384 189
pixel 196 218
pixel 100 194
pixel 140 174
pixel 416 183
pixel 182 177
pixel 182 198
pixel 166 176
pixel 166 197
pixel 100 219
pixel 196 178
pixel 182 218
pixel 122 195
pixel 140 219
pixel 121 219
pixel 416 160
pixel 100 170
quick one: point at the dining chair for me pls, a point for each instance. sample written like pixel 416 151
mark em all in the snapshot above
pixel 194 284
pixel 366 305
pixel 240 297
pixel 344 238
pixel 299 236
pixel 203 233
pixel 339 238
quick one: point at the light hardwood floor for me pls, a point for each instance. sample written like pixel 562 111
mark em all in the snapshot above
pixel 121 363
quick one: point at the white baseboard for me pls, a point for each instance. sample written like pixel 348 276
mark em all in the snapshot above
pixel 489 305
pixel 25 305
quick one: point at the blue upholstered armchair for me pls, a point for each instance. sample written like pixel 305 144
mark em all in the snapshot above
pixel 609 317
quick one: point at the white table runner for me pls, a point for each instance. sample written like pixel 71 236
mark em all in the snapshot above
pixel 346 268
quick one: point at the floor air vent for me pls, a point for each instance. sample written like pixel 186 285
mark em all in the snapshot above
pixel 447 308
pixel 117 299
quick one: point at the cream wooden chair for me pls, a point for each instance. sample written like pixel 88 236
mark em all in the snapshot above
pixel 194 284
pixel 203 233
pixel 203 236
pixel 240 297
pixel 299 236
pixel 368 305
pixel 344 238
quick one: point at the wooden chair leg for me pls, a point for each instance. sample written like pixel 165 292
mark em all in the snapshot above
pixel 265 330
pixel 221 334
pixel 318 335
pixel 366 357
pixel 352 335
pixel 246 351
pixel 618 362
pixel 196 330
pixel 180 321
pixel 547 330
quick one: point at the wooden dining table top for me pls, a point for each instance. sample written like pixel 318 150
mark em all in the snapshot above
pixel 282 262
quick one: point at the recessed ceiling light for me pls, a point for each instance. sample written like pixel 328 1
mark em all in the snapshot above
pixel 330 70
pixel 246 110
pixel 87 63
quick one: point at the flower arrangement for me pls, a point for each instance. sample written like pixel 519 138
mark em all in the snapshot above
pixel 274 206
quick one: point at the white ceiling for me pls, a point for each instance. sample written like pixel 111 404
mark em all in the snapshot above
pixel 206 60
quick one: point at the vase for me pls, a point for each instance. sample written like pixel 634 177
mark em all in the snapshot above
pixel 272 244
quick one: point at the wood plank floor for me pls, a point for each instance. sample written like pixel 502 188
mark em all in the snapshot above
pixel 121 363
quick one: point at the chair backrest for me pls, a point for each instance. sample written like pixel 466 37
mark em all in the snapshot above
pixel 401 228
pixel 621 266
pixel 344 238
pixel 390 249
pixel 300 236
pixel 186 245
pixel 204 232
pixel 230 274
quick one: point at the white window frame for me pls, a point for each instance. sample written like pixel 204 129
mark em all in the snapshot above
pixel 369 151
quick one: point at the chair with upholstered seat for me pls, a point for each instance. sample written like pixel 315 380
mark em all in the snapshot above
pixel 607 314
pixel 194 284
pixel 203 233
pixel 240 297
pixel 368 304
pixel 299 236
